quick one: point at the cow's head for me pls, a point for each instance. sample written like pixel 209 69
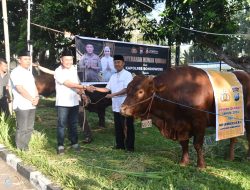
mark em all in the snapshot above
pixel 45 84
pixel 139 91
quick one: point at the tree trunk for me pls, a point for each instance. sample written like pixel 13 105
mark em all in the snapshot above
pixel 233 62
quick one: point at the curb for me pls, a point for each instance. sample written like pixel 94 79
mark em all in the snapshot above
pixel 38 180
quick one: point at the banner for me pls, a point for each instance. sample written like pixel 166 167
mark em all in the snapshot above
pixel 229 104
pixel 95 64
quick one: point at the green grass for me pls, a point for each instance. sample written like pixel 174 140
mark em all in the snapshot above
pixel 153 165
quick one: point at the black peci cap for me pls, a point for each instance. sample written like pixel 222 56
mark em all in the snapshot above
pixel 66 52
pixel 118 57
pixel 23 52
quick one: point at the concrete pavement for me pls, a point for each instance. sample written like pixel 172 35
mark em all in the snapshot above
pixel 11 179
pixel 34 177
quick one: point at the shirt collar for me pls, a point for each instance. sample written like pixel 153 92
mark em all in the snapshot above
pixel 62 68
pixel 23 68
pixel 120 71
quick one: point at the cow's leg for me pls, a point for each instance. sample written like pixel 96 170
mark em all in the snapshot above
pixel 198 143
pixel 101 116
pixel 185 156
pixel 231 151
pixel 248 139
pixel 247 126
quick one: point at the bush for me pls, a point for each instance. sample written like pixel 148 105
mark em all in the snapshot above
pixel 38 141
pixel 7 130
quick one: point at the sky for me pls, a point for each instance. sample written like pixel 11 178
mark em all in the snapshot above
pixel 158 9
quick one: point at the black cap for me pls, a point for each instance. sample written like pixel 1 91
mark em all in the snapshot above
pixel 118 57
pixel 23 52
pixel 66 52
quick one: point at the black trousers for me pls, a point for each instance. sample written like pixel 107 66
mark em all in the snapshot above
pixel 4 106
pixel 124 139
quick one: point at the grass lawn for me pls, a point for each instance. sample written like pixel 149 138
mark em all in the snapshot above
pixel 153 165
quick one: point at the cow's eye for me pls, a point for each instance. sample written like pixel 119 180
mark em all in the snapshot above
pixel 140 92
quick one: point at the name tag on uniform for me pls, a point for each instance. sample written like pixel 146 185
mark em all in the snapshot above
pixel 146 123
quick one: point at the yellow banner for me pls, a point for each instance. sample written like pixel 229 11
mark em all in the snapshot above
pixel 229 104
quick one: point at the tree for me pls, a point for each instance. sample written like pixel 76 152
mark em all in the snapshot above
pixel 94 18
pixel 181 16
pixel 16 10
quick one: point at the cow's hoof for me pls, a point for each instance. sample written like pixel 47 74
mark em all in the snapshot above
pixel 184 163
pixel 201 166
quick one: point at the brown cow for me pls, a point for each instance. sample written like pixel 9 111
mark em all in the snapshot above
pixel 188 86
pixel 45 84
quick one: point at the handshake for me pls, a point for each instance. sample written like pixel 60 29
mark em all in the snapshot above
pixel 104 90
pixel 90 88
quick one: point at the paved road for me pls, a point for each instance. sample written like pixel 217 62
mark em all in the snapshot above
pixel 11 179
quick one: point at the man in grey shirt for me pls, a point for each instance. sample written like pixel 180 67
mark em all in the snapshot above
pixel 90 65
pixel 4 88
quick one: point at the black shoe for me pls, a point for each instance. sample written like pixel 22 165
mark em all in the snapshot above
pixel 119 148
pixel 87 140
pixel 60 150
pixel 130 150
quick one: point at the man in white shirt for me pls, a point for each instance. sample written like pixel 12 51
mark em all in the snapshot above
pixel 68 89
pixel 25 100
pixel 118 86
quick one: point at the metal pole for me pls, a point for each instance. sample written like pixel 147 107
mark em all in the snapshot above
pixel 7 43
pixel 28 26
pixel 6 33
pixel 30 48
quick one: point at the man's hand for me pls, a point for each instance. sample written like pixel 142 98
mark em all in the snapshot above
pixel 109 96
pixel 90 88
pixel 80 91
pixel 35 101
pixel 9 99
pixel 36 64
pixel 85 99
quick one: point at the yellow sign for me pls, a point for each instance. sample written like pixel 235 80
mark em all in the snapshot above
pixel 229 104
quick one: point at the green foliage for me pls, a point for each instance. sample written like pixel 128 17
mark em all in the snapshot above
pixel 205 15
pixel 153 165
pixel 7 130
pixel 93 18
pixel 237 46
pixel 38 141
pixel 199 54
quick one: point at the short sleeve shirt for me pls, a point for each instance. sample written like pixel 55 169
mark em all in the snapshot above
pixel 117 82
pixel 66 96
pixel 23 77
pixel 3 83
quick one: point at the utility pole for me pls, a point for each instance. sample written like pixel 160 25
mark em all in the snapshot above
pixel 29 44
pixel 6 33
pixel 6 43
